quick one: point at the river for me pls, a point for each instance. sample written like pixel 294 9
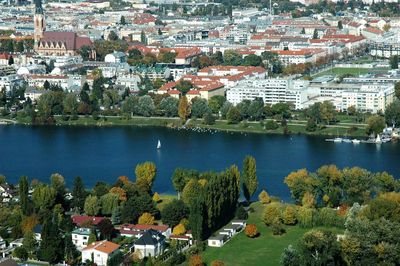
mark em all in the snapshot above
pixel 104 153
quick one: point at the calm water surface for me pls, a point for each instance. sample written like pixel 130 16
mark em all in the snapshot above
pixel 106 153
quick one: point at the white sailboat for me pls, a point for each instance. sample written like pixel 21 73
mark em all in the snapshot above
pixel 378 139
pixel 159 144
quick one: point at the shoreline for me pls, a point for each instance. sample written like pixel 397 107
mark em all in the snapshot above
pixel 295 127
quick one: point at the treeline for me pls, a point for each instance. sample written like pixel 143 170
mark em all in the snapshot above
pixel 13 46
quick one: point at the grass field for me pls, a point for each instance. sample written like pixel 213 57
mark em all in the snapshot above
pixel 353 71
pixel 264 250
pixel 295 127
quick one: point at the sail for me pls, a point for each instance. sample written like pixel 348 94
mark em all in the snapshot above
pixel 159 144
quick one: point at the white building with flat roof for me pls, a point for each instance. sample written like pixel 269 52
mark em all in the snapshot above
pixel 272 91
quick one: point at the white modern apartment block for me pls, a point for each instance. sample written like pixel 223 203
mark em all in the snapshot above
pixel 80 237
pixel 272 91
pixel 365 97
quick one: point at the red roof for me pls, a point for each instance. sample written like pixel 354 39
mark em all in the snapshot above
pixel 144 227
pixel 70 39
pixel 83 219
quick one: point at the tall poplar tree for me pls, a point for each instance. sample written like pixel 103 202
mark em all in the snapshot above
pixel 78 194
pixel 250 181
pixel 23 195
pixel 183 108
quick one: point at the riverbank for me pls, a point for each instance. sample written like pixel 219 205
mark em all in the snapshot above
pixel 349 129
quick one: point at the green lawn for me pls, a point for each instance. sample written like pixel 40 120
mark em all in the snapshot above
pixel 353 71
pixel 264 250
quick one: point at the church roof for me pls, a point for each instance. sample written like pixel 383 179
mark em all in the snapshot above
pixel 71 40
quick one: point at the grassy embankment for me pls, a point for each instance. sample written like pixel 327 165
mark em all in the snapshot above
pixel 353 71
pixel 264 250
pixel 349 129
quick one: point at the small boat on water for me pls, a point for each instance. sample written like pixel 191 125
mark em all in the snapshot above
pixel 356 141
pixel 159 145
pixel 378 139
pixel 337 140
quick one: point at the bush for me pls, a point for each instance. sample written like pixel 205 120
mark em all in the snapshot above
pixel 306 217
pixel 277 227
pixel 179 229
pixel 196 260
pixel 271 125
pixel 241 213
pixel 329 217
pixel 217 263
pixel 311 125
pixel 289 215
pixel 95 115
pixel 251 231
pixel 209 118
pixel 264 198
pixel 271 213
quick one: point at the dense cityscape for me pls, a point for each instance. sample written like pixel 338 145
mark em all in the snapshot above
pixel 301 73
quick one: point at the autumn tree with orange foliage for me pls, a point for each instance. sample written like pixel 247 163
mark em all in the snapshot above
pixel 28 223
pixel 251 230
pixel 120 192
pixel 196 260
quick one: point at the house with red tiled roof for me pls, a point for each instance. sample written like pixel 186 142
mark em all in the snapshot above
pixel 354 28
pixel 100 252
pixel 300 56
pixel 372 33
pixel 184 55
pixel 83 220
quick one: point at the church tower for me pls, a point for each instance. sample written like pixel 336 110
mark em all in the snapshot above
pixel 39 22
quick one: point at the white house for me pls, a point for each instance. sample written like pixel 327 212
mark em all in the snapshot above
pixel 80 237
pixel 218 240
pixel 151 243
pixel 99 252
pixel 115 57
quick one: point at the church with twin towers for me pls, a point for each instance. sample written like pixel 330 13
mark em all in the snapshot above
pixel 55 43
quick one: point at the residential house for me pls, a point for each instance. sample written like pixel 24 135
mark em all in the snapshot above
pixel 151 243
pixel 218 240
pixel 82 220
pixel 80 237
pixel 137 230
pixel 100 252
pixel 115 57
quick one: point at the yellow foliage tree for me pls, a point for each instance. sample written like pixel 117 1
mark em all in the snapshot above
pixel 146 218
pixel 145 175
pixel 120 192
pixel 183 108
pixel 179 229
pixel 203 182
pixel 124 179
pixel 217 263
pixel 264 198
pixel 289 215
pixel 196 260
pixel 271 213
pixel 156 197
pixel 308 200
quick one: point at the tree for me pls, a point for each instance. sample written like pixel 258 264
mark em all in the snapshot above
pixel 232 58
pixel 78 194
pixel 340 25
pixel 11 60
pixel 375 124
pixel 46 85
pixel 146 218
pixel 109 202
pixel 23 195
pixel 183 108
pixel 70 104
pixel 136 206
pixel 319 248
pixel 43 197
pixel 199 108
pixel 169 106
pixel 29 243
pixel 174 212
pixel 197 219
pixel 180 177
pixel 264 198
pixel 100 189
pixel 92 206
pixel 184 86
pixel 249 176
pixel 252 60
pixel 51 245
pixel 156 197
pixel 315 34
pixel 20 253
pixel 303 31
pixel 209 119
pixel 397 90
pixel 106 229
pixel 327 112
pixel 196 260
pixel 394 62
pixel 251 230
pixel 392 113
pixel 145 176
pixel 122 20
pixel 112 36
pixel 308 200
pixel 289 215
pixel 271 213
pixel 300 182
pixel 290 257
pixel 241 213
pixel 215 103
pixel 143 38
pixel 226 106
pixel 179 229
pixel 233 116
pixel 191 191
